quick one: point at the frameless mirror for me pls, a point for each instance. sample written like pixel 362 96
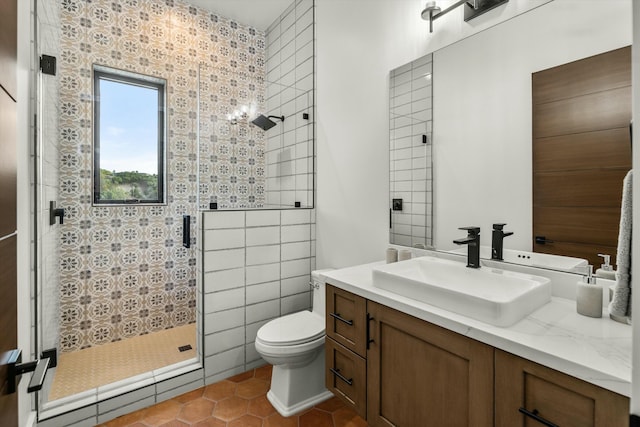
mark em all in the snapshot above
pixel 482 131
pixel 411 171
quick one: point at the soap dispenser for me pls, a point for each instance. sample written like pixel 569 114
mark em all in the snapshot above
pixel 606 270
pixel 589 296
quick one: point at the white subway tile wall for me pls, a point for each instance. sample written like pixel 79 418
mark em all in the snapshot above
pixel 290 93
pixel 272 280
pixel 411 171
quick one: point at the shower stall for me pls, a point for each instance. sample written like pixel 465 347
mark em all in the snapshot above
pixel 130 289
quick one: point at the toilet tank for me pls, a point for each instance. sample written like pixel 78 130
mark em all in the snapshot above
pixel 318 288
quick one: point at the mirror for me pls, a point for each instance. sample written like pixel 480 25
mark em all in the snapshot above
pixel 411 171
pixel 482 108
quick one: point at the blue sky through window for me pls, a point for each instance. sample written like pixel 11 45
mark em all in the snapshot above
pixel 128 127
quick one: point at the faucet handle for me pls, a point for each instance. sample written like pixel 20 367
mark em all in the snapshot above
pixel 499 226
pixel 472 230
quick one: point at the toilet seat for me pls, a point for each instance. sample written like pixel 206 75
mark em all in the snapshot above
pixel 292 330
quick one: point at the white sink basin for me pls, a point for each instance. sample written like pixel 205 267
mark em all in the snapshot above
pixel 494 296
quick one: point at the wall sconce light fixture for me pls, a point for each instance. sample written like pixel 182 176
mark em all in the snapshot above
pixel 472 9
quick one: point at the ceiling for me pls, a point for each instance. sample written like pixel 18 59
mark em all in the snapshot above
pixel 255 13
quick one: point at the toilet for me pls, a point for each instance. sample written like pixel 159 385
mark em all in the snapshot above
pixel 294 345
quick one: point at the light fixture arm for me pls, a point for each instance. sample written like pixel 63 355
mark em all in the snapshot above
pixel 435 14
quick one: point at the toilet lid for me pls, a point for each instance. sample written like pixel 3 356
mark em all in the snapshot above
pixel 292 329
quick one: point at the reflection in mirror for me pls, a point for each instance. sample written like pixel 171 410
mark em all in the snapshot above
pixel 482 126
pixel 411 171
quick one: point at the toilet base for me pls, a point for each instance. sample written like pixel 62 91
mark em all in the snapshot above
pixel 294 389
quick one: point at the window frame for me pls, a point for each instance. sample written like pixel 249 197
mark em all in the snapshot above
pixel 134 79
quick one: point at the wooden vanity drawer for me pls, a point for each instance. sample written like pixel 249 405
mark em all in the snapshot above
pixel 346 319
pixel 525 390
pixel 346 376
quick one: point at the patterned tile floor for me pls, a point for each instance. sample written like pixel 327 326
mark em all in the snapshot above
pixel 239 401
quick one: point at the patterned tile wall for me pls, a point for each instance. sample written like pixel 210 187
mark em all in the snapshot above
pixel 410 101
pixel 123 269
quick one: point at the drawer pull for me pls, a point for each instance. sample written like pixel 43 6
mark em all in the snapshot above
pixel 369 340
pixel 337 316
pixel 537 417
pixel 337 373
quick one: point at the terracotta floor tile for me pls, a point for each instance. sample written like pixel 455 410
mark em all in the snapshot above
pixel 346 417
pixel 261 406
pixel 175 423
pixel 263 372
pixel 161 413
pixel 231 408
pixel 211 422
pixel 196 410
pixel 219 391
pixel 125 420
pixel 241 377
pixel 246 421
pixel 277 420
pixel 330 405
pixel 188 397
pixel 316 418
pixel 224 405
pixel 252 388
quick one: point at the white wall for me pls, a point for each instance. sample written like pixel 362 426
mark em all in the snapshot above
pixel 482 111
pixel 358 43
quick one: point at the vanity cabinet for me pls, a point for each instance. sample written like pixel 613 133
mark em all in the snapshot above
pixel 420 374
pixel 530 394
pixel 346 348
pixel 396 370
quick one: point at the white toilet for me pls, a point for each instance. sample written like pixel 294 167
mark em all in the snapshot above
pixel 294 345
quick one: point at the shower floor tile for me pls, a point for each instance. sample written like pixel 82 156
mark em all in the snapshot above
pixel 239 401
pixel 97 366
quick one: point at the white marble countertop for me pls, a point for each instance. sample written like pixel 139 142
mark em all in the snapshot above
pixel 595 350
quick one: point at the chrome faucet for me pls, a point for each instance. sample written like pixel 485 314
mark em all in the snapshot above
pixel 497 241
pixel 473 245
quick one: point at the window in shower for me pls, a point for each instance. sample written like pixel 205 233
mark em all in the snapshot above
pixel 129 138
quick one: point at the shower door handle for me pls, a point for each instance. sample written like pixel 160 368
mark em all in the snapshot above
pixel 15 368
pixel 186 231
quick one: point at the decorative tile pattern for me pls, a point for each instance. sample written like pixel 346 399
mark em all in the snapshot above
pixel 224 404
pixel 123 270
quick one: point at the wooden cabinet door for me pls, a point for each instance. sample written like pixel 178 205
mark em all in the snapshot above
pixel 423 375
pixel 346 376
pixel 347 319
pixel 558 398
